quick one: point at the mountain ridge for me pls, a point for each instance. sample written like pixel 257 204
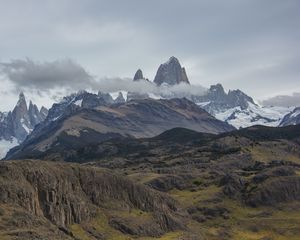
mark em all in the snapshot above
pixel 136 118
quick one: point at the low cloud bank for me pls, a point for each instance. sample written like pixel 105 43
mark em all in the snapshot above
pixel 283 100
pixel 67 76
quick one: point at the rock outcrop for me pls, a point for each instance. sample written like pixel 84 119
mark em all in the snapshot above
pixel 274 191
pixel 67 194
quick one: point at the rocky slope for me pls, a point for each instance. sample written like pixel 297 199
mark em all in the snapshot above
pixel 238 185
pixel 17 124
pixel 55 199
pixel 95 121
pixel 242 184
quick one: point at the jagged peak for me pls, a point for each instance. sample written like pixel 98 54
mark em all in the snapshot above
pixel 21 101
pixel 138 75
pixel 172 60
pixel 217 87
pixel 171 73
pixel 21 95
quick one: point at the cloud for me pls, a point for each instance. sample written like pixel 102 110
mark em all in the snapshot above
pixel 62 77
pixel 283 100
pixel 27 74
pixel 251 45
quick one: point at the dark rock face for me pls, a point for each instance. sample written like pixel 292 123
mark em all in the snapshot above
pixel 21 121
pixel 274 191
pixel 65 194
pixel 293 118
pixel 171 73
pixel 138 75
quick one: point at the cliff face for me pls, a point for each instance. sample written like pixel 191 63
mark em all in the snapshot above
pixel 171 73
pixel 66 194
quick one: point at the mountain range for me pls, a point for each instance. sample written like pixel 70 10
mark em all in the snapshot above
pixel 87 118
pixel 233 107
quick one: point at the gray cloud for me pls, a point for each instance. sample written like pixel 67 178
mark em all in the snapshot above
pixel 283 100
pixel 27 74
pixel 62 77
pixel 252 45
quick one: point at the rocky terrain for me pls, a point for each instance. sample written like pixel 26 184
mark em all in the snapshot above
pixel 43 200
pixel 242 184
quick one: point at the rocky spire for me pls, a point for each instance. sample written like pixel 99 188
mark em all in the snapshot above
pixel 44 112
pixel 138 75
pixel 120 98
pixel 171 73
pixel 20 110
pixel 35 116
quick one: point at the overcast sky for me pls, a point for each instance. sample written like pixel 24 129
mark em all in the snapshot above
pixel 63 45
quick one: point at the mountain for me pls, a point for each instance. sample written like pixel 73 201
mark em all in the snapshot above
pixel 17 124
pixel 171 73
pixel 87 118
pixel 234 106
pixel 292 118
pixel 238 109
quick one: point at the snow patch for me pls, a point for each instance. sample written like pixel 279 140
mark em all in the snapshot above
pixel 78 103
pixel 203 104
pixel 23 123
pixel 6 145
pixel 253 115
